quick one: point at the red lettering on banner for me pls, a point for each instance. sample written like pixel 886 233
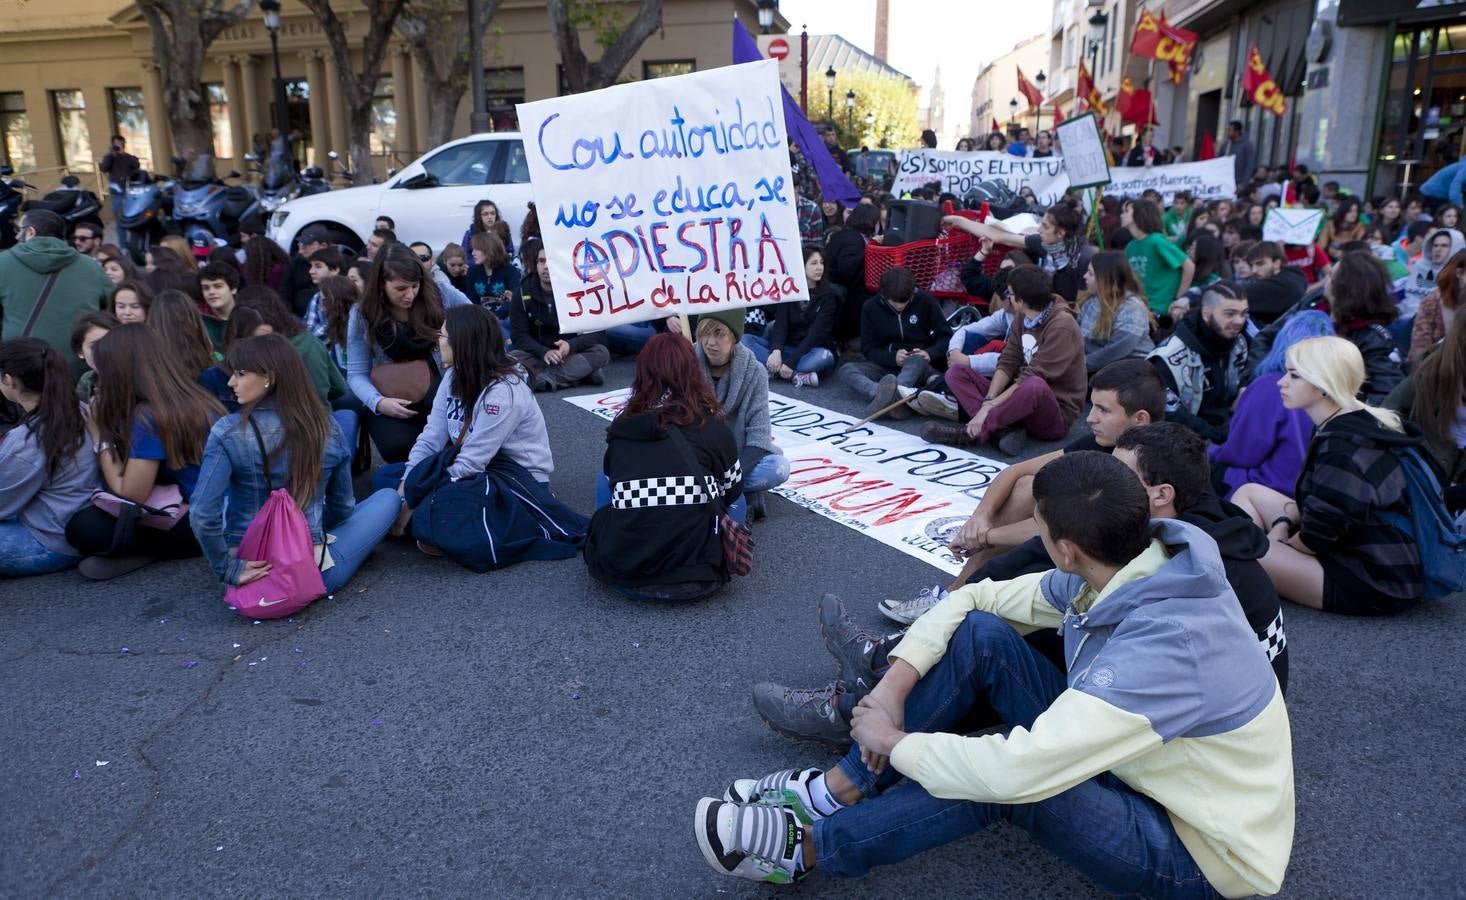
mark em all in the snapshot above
pixel 901 502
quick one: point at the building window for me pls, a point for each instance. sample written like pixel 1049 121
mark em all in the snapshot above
pixel 130 120
pixel 18 151
pixel 219 120
pixel 664 68
pixel 70 110
pixel 505 86
pixel 384 117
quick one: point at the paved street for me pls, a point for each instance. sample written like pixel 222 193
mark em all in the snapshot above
pixel 529 733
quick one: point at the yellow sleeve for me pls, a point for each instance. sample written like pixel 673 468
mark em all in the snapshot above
pixel 1075 739
pixel 1019 602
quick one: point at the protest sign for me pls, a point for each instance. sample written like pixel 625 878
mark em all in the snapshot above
pixel 665 196
pixel 962 173
pixel 1084 152
pixel 1210 179
pixel 1292 226
pixel 886 484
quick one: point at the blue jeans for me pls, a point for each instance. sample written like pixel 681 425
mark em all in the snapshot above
pixel 738 511
pixel 817 360
pixel 388 476
pixel 769 472
pixel 627 340
pixel 1400 330
pixel 354 538
pixel 347 420
pixel 1121 839
pixel 21 554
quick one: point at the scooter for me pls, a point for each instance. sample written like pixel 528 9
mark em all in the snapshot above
pixel 72 202
pixel 206 210
pixel 143 211
pixel 279 184
pixel 11 199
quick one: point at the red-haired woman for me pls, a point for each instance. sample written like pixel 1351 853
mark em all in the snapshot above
pixel 669 458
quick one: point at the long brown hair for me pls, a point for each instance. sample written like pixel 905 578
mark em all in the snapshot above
pixel 138 374
pixel 261 256
pixel 395 262
pixel 1440 383
pixel 1448 282
pixel 1115 284
pixel 180 325
pixel 479 356
pixel 669 382
pixel 180 248
pixel 306 423
pixel 56 422
pixel 338 296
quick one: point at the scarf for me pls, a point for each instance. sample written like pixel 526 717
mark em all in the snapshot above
pixel 400 344
pixel 1059 256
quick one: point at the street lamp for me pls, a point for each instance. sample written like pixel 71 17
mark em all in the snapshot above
pixel 271 11
pixel 1097 23
pixel 849 109
pixel 830 86
pixel 766 11
pixel 1013 109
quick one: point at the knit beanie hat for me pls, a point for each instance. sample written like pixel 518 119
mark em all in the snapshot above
pixel 733 318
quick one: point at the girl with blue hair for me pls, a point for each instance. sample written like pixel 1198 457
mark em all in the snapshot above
pixel 1267 442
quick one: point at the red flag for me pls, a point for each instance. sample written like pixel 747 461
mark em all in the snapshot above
pixel 996 126
pixel 1141 110
pixel 1208 147
pixel 1085 91
pixel 1058 113
pixel 1147 35
pixel 1125 98
pixel 1260 87
pixel 1030 93
pixel 1175 48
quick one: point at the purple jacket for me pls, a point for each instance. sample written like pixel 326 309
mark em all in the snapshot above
pixel 1267 442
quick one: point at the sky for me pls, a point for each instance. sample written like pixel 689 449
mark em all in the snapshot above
pixel 925 33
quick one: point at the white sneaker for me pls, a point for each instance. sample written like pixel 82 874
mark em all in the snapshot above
pixel 938 406
pixel 753 841
pixel 908 611
pixel 789 787
pixel 806 379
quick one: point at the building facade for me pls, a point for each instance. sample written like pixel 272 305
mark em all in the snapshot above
pixel 73 72
pixel 996 87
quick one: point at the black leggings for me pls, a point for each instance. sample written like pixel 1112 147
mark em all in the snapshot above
pixel 394 437
pixel 92 532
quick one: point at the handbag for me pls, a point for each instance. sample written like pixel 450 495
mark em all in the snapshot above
pixel 737 539
pixel 407 381
pixel 162 509
pixel 278 534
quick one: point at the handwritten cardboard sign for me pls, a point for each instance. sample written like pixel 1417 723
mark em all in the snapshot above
pixel 1292 226
pixel 964 173
pixel 1084 152
pixel 665 196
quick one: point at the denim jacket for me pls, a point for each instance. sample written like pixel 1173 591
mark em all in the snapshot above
pixel 231 487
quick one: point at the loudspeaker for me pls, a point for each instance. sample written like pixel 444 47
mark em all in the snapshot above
pixel 912 220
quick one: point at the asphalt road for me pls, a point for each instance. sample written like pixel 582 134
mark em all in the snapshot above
pixel 434 732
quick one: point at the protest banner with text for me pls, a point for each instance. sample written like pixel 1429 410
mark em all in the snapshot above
pixel 961 173
pixel 890 486
pixel 665 196
pixel 1210 179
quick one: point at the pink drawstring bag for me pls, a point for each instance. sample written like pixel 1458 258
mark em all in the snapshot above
pixel 279 535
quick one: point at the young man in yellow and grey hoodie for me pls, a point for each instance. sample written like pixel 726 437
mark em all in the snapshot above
pixel 1160 765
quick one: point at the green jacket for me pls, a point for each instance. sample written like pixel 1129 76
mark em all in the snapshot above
pixel 80 286
pixel 325 376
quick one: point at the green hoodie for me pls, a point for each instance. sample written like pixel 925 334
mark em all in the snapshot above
pixel 80 286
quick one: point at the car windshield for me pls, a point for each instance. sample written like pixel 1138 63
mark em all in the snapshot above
pixel 278 173
pixel 463 164
pixel 200 168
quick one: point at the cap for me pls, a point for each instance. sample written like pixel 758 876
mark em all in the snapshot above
pixel 313 236
pixel 201 245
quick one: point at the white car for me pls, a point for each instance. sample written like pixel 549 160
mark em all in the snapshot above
pixel 430 200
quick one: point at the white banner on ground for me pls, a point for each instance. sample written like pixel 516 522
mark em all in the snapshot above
pixel 961 173
pixel 1292 226
pixel 1210 179
pixel 667 195
pixel 886 484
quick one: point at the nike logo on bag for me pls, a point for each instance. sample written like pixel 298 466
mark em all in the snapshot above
pixel 264 602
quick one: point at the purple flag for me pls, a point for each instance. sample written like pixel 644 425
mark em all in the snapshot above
pixel 833 183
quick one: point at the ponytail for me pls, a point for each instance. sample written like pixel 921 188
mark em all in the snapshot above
pixel 56 421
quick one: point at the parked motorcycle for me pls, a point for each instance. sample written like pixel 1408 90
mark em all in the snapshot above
pixel 143 211
pixel 206 210
pixel 11 198
pixel 72 202
pixel 279 184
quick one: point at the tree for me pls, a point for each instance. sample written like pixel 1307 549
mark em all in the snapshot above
pixel 182 32
pixel 618 44
pixel 438 34
pixel 892 101
pixel 359 86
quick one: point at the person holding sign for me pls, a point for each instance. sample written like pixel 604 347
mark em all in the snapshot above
pixel 553 361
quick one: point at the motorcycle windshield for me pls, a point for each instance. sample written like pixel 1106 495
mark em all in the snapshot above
pixel 199 169
pixel 278 174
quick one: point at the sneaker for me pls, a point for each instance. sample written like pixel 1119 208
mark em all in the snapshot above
pixel 429 549
pixel 809 715
pixel 938 406
pixel 951 433
pixel 789 787
pixel 851 647
pixel 885 395
pixel 597 377
pixel 806 379
pixel 105 568
pixel 771 852
pixel 908 611
pixel 1013 442
pixel 543 384
pixel 757 509
pixel 903 411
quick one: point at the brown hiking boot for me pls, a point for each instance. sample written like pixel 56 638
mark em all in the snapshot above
pixel 951 433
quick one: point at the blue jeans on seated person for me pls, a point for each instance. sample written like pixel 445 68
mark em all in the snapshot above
pixel 769 472
pixel 22 555
pixel 354 538
pixel 817 360
pixel 1121 839
pixel 349 423
pixel 1400 330
pixel 627 340
pixel 738 511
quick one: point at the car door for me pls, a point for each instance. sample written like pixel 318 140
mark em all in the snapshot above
pixel 512 190
pixel 440 211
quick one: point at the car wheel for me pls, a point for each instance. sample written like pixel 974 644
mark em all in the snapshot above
pixel 341 235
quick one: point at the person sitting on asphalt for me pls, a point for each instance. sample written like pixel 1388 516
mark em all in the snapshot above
pixel 742 388
pixel 297 287
pixel 1203 361
pixel 1331 547
pixel 1163 269
pixel 799 343
pixel 1122 394
pixel 670 462
pixel 1364 313
pixel 903 341
pixel 554 360
pixel 1201 772
pixel 1273 287
pixel 77 283
pixel 1113 318
pixel 1058 247
pixel 1039 385
pixel 977 345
